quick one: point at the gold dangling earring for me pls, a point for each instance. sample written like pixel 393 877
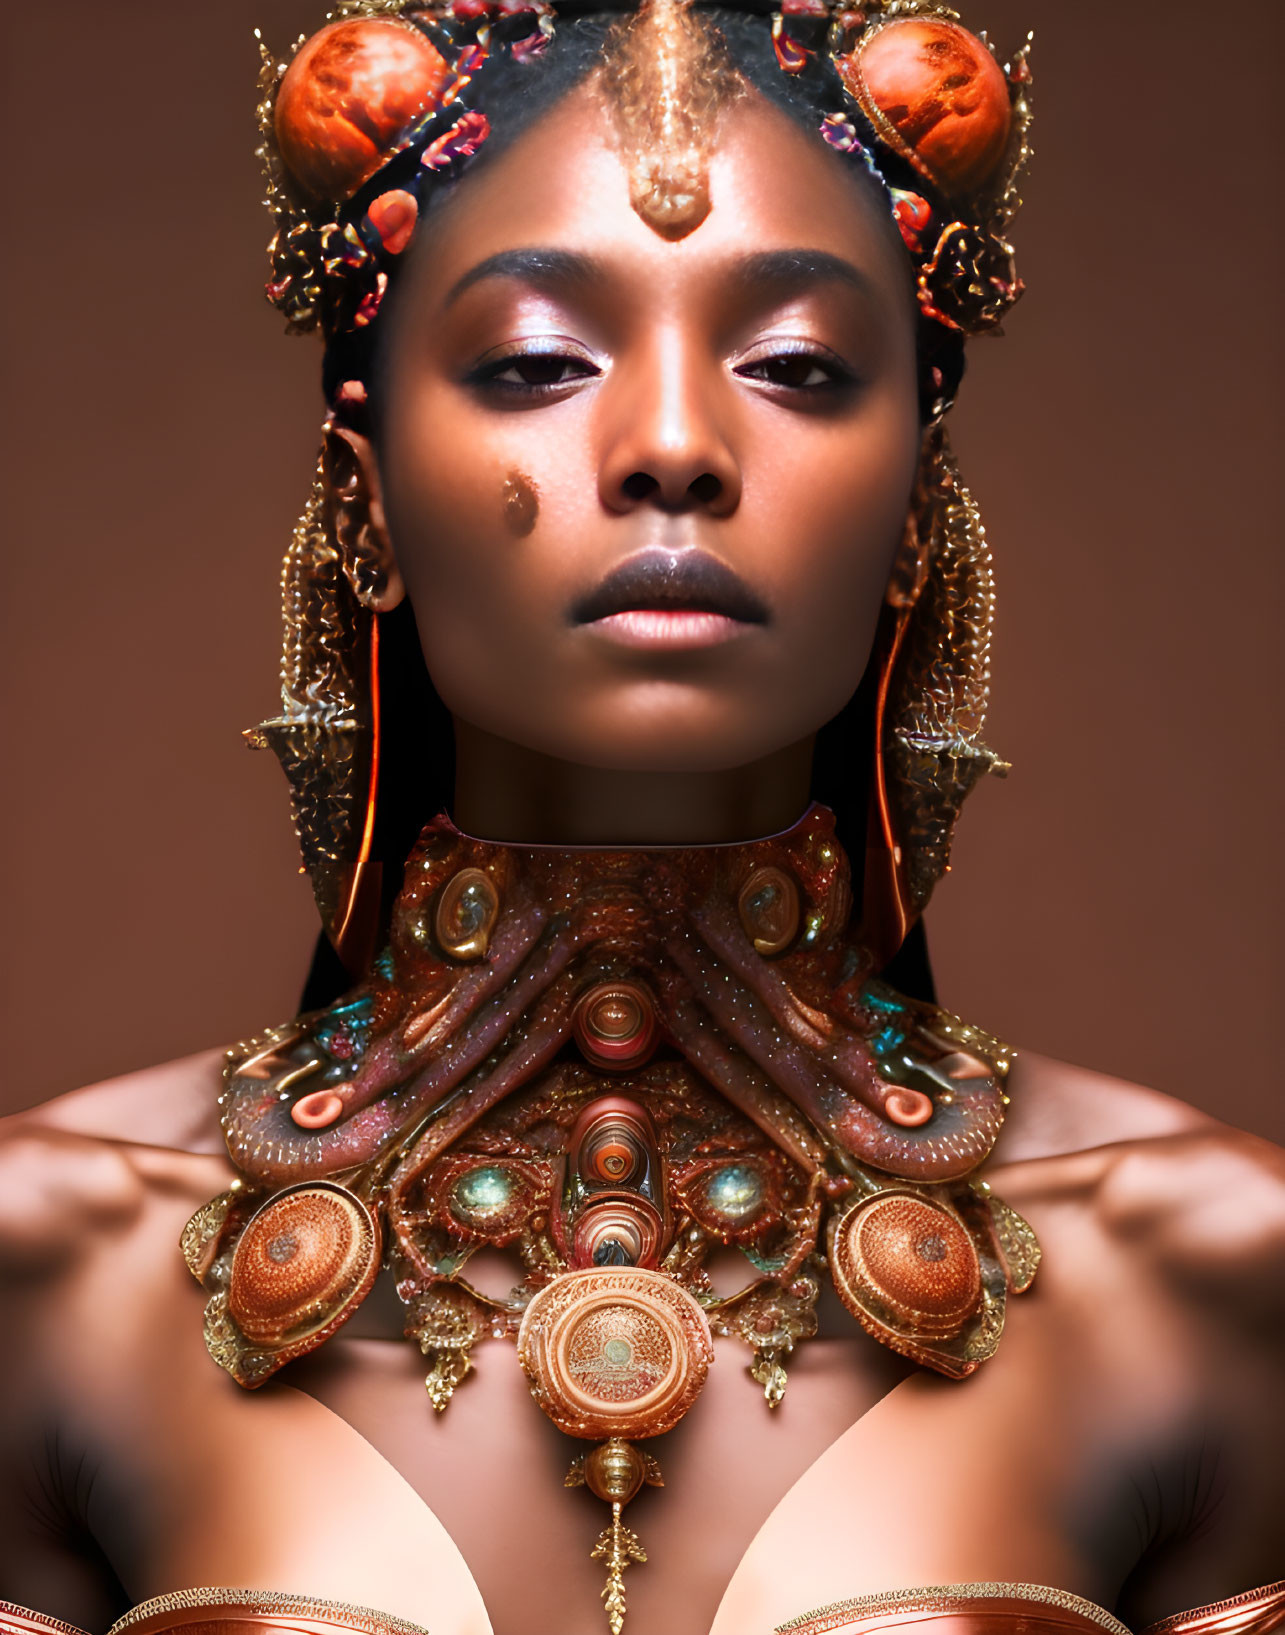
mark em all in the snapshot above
pixel 327 736
pixel 934 685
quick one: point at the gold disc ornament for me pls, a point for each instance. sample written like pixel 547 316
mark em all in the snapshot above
pixel 908 1261
pixel 301 1262
pixel 615 1351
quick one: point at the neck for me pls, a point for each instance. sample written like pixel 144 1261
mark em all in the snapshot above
pixel 506 792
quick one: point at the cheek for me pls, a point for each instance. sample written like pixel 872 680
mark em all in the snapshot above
pixel 840 498
pixel 462 492
pixel 489 585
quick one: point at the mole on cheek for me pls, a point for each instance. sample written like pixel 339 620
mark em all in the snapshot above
pixel 521 503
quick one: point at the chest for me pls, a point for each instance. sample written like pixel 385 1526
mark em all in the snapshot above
pixel 340 1480
pixel 492 1468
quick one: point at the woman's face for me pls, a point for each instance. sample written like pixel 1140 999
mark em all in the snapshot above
pixel 644 493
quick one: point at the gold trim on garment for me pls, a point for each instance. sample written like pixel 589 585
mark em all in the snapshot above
pixel 269 1603
pixel 12 1617
pixel 917 1600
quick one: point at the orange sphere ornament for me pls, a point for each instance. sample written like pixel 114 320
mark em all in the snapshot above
pixel 936 94
pixel 350 92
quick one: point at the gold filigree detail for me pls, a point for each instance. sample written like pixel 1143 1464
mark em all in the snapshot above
pixel 447 1321
pixel 1017 1244
pixel 768 1370
pixel 446 1373
pixel 943 1597
pixel 620 1547
pixel 269 1604
pixel 941 687
pixel 200 1236
pixel 322 736
pixel 226 1344
pixel 985 1336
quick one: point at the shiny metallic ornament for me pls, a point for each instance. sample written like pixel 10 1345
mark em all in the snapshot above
pixel 769 908
pixel 303 1258
pixel 617 1232
pixel 911 1260
pixel 347 96
pixel 615 1471
pixel 466 914
pixel 617 1352
pixel 613 1144
pixel 615 1025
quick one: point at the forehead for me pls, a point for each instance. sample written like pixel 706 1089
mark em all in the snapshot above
pixel 564 183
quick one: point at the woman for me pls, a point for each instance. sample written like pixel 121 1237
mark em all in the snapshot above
pixel 635 426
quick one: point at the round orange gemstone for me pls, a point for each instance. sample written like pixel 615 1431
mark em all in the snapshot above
pixel 350 92
pixel 943 93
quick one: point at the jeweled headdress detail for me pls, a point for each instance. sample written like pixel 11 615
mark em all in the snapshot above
pixel 389 101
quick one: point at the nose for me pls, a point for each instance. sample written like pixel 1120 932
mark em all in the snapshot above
pixel 668 436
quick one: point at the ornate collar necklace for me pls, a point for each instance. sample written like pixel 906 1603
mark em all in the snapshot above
pixel 615 1062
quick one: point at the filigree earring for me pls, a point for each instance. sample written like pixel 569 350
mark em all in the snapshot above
pixel 933 690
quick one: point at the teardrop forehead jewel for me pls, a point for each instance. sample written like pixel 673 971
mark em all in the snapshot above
pixel 668 78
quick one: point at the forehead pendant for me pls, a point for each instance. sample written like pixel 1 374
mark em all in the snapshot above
pixel 668 78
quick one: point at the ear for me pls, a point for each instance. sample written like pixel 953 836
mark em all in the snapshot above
pixel 356 502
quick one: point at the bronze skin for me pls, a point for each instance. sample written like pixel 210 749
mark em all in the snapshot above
pixel 722 429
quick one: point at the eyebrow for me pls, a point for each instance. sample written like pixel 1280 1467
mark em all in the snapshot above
pixel 551 268
pixel 543 268
pixel 801 267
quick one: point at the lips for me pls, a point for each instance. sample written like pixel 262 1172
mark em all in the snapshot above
pixel 662 581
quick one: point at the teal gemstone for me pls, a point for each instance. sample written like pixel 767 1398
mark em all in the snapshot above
pixel 735 1192
pixel 482 1193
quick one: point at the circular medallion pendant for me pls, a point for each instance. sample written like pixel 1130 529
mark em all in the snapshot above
pixel 618 1351
pixel 615 1025
pixel 466 914
pixel 910 1259
pixel 769 908
pixel 302 1259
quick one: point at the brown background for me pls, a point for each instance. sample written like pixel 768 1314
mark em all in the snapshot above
pixel 1114 903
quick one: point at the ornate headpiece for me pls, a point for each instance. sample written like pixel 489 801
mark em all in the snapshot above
pixel 388 100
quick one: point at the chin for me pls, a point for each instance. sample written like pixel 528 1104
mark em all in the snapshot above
pixel 651 739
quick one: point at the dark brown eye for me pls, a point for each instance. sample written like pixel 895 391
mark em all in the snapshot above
pixel 796 371
pixel 535 371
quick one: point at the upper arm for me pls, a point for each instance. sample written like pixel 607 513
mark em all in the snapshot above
pixel 63 1198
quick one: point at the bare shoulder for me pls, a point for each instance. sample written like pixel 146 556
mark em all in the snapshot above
pixel 1208 1207
pixel 1176 1197
pixel 1057 1107
pixel 81 1170
pixel 172 1105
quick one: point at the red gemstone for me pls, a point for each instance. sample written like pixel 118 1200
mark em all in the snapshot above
pixel 790 55
pixel 913 214
pixel 367 312
pixel 615 1025
pixel 393 216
